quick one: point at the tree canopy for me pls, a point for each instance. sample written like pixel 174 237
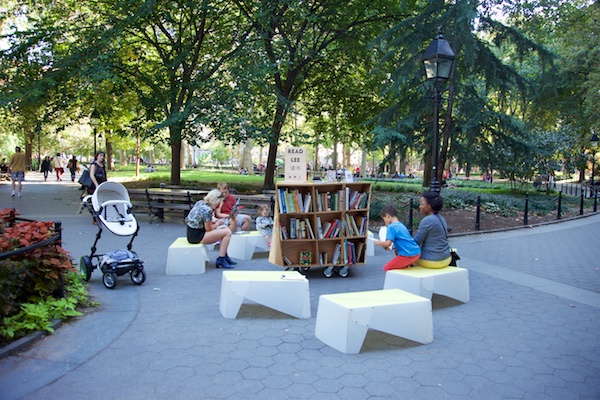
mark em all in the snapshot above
pixel 522 98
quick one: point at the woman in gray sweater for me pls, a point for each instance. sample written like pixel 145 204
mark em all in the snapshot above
pixel 432 235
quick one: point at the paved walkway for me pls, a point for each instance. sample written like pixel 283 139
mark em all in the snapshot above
pixel 530 331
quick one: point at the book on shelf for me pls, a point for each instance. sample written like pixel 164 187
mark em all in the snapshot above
pixel 331 229
pixel 283 233
pixel 281 201
pixel 287 260
pixel 297 201
pixel 363 226
pixel 360 246
pixel 326 228
pixel 336 254
pixel 347 198
pixel 293 232
pixel 308 203
pixel 302 233
pixel 305 257
pixel 319 228
pixel 309 228
pixel 340 199
pixel 290 202
pixel 324 256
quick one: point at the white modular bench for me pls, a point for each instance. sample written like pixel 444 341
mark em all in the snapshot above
pixel 448 281
pixel 370 252
pixel 286 292
pixel 343 319
pixel 244 245
pixel 185 258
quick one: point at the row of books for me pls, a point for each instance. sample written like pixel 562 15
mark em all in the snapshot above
pixel 356 200
pixel 352 228
pixel 339 228
pixel 329 201
pixel 345 253
pixel 298 229
pixel 304 258
pixel 292 201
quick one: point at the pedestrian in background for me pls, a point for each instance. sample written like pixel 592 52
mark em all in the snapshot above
pixel 18 162
pixel 46 167
pixel 97 171
pixel 73 166
pixel 59 166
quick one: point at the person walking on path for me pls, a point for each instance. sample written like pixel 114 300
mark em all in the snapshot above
pixel 18 162
pixel 73 166
pixel 59 166
pixel 46 167
pixel 97 171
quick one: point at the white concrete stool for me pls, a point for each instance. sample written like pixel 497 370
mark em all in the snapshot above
pixel 448 281
pixel 185 258
pixel 244 245
pixel 343 319
pixel 286 292
pixel 370 244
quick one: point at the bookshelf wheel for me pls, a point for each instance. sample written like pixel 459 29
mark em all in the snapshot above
pixel 328 272
pixel 344 271
pixel 304 269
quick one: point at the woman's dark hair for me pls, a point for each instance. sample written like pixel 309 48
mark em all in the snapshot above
pixel 435 201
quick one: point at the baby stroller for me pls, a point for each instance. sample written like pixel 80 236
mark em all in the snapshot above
pixel 110 207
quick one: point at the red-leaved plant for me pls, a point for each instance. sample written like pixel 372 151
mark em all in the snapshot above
pixel 34 275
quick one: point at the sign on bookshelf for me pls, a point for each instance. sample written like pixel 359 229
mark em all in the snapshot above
pixel 295 164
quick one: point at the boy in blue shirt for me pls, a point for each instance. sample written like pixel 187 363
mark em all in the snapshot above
pixel 407 250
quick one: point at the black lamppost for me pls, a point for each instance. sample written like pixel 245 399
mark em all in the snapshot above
pixel 594 145
pixel 437 60
pixel 95 121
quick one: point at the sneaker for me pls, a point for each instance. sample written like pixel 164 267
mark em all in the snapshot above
pixel 12 194
pixel 19 195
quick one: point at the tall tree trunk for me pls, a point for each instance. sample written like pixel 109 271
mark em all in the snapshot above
pixel 175 136
pixel 363 162
pixel 122 157
pixel 110 160
pixel 246 157
pixel 280 114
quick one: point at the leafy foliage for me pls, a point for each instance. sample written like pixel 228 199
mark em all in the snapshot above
pixel 38 285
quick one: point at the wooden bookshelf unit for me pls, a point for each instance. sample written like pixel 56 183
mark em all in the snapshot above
pixel 321 224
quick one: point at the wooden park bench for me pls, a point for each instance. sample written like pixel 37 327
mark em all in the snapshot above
pixel 157 201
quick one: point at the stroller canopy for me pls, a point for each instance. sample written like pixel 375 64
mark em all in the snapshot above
pixel 111 203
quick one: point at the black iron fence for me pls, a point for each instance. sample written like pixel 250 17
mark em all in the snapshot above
pixel 588 201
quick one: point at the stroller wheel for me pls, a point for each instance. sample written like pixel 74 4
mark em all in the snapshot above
pixel 110 280
pixel 138 276
pixel 86 267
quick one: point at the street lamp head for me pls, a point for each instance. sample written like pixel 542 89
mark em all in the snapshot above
pixel 95 118
pixel 438 58
pixel 594 140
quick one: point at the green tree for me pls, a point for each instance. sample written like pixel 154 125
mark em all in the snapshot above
pixel 294 39
pixel 475 116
